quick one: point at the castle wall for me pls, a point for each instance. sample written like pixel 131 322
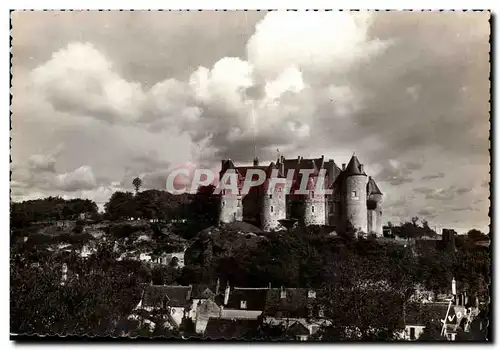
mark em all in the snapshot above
pixel 374 204
pixel 273 206
pixel 314 210
pixel 231 209
pixel 355 200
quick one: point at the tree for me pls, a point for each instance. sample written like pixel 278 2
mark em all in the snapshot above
pixel 476 235
pixel 121 205
pixel 137 182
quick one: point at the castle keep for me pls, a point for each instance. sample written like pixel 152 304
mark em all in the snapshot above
pixel 356 200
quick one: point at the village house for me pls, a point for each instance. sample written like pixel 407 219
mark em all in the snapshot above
pixel 295 309
pixel 175 259
pixel 170 302
pixel 243 303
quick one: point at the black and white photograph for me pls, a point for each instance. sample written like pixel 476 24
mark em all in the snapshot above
pixel 248 176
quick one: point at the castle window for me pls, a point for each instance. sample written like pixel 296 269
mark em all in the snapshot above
pixel 312 194
pixel 223 203
pixel 312 208
pixel 270 196
pixel 272 209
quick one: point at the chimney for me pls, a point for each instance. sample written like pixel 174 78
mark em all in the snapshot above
pixel 343 166
pixel 362 168
pixel 226 294
pixel 256 161
pixel 217 287
pixel 282 293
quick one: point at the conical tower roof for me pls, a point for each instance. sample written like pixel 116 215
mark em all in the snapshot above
pixel 354 167
pixel 372 188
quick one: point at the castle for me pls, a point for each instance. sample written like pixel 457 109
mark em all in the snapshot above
pixel 355 201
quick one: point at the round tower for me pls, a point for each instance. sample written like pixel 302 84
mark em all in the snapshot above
pixel 356 215
pixel 273 204
pixel 374 207
pixel 314 205
pixel 231 208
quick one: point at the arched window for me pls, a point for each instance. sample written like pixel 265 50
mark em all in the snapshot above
pixel 312 208
pixel 272 209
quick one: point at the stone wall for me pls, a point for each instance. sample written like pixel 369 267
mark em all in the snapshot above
pixel 273 207
pixel 231 209
pixel 355 199
pixel 314 210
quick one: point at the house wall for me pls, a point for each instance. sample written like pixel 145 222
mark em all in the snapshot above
pixel 203 311
pixel 177 314
pixel 405 335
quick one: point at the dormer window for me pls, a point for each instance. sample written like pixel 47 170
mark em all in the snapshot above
pixel 283 294
pixel 243 304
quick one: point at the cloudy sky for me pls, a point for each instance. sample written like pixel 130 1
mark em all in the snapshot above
pixel 102 97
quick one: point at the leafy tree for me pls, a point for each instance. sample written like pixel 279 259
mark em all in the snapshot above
pixel 137 182
pixel 476 235
pixel 121 205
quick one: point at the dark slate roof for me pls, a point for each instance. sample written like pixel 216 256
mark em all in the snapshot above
pixel 354 167
pixel 297 329
pixel 301 163
pixel 420 314
pixel 176 296
pixel 372 188
pixel 202 291
pixel 255 298
pixel 220 328
pixel 296 303
pixel 242 170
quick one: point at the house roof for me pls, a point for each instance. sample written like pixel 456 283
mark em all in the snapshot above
pixel 418 314
pixel 255 298
pixel 297 329
pixel 176 296
pixel 220 328
pixel 202 291
pixel 295 304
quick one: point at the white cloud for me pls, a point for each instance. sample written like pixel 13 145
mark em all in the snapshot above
pixel 81 79
pixel 312 41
